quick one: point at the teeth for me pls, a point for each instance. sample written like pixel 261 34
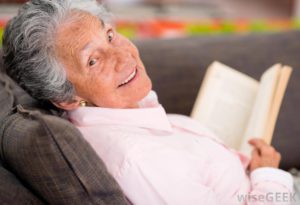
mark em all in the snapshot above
pixel 129 78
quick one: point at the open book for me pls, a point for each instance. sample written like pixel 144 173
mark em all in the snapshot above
pixel 237 107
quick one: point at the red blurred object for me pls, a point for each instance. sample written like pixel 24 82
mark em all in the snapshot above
pixel 242 25
pixel 161 28
pixel 3 22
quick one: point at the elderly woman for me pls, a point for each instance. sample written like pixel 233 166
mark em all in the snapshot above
pixel 73 58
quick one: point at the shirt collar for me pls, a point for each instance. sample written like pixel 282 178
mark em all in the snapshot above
pixel 150 114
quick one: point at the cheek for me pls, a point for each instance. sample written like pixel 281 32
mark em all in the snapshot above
pixel 100 86
pixel 101 91
pixel 147 83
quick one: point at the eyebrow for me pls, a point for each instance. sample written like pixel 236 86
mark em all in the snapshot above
pixel 86 46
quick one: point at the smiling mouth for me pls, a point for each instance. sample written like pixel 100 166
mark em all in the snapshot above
pixel 129 79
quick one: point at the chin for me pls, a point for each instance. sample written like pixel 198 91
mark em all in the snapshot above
pixel 146 88
pixel 141 92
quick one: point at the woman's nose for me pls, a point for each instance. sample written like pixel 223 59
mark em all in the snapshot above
pixel 124 59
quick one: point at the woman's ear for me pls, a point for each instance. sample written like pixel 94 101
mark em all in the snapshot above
pixel 68 105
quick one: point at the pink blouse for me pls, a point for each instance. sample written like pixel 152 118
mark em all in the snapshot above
pixel 160 158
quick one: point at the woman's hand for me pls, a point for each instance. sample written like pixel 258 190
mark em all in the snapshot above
pixel 263 155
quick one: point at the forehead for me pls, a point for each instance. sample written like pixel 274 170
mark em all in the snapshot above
pixel 79 18
pixel 77 30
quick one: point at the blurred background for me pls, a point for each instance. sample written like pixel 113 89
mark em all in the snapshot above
pixel 178 18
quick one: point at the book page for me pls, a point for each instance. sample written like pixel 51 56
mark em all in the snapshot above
pixel 285 74
pixel 224 102
pixel 261 109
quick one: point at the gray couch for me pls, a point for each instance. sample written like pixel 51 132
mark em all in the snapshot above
pixel 45 160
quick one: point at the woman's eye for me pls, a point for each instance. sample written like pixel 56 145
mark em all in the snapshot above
pixel 92 62
pixel 110 35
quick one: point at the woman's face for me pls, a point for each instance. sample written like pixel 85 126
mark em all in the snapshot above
pixel 104 67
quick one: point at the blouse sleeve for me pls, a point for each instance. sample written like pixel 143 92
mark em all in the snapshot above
pixel 270 186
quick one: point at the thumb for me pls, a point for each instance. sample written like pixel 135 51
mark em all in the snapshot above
pixel 255 153
pixel 254 160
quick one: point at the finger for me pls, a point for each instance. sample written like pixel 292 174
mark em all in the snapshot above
pixel 278 155
pixel 254 159
pixel 253 139
pixel 255 153
pixel 268 150
pixel 258 143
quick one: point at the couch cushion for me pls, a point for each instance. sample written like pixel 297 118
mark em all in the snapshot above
pixel 50 155
pixel 13 192
pixel 6 97
pixel 11 94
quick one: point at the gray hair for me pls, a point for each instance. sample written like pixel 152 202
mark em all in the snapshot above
pixel 29 47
